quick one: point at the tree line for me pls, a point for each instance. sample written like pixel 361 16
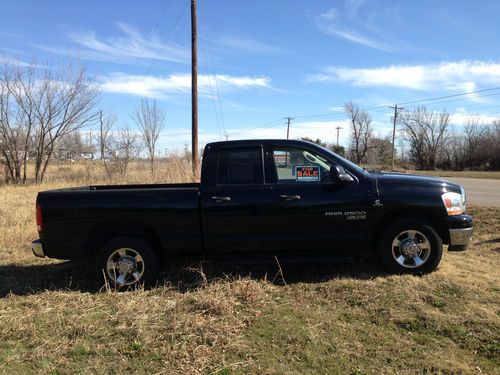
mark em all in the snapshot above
pixel 44 109
pixel 431 140
pixel 42 113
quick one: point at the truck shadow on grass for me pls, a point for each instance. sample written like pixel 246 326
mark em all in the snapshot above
pixel 179 276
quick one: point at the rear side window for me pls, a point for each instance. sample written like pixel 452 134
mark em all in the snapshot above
pixel 241 166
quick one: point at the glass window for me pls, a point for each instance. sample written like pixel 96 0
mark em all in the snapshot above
pixel 241 166
pixel 295 165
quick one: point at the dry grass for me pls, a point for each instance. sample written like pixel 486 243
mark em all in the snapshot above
pixel 231 320
pixel 495 175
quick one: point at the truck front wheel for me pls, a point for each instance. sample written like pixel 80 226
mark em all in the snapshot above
pixel 410 246
pixel 128 262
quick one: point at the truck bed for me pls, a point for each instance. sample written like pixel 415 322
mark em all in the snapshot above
pixel 193 185
pixel 74 216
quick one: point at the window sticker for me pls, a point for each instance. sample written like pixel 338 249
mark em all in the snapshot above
pixel 307 174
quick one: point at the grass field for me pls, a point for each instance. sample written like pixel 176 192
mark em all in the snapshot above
pixel 495 175
pixel 229 319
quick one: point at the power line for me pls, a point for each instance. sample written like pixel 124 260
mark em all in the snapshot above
pixel 215 107
pixel 154 29
pixel 216 113
pixel 340 113
pixel 217 89
pixel 220 106
pixel 409 103
pixel 257 127
pixel 453 100
pixel 168 36
pixel 451 96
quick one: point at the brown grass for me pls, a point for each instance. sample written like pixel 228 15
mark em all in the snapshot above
pixel 495 175
pixel 228 319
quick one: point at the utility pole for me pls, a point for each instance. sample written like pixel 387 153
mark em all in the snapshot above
pixel 194 91
pixel 396 109
pixel 289 119
pixel 338 129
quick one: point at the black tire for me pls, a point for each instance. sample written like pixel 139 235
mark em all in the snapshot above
pixel 128 262
pixel 420 256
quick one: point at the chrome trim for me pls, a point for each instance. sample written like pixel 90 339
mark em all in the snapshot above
pixel 411 248
pixel 461 236
pixel 37 248
pixel 125 267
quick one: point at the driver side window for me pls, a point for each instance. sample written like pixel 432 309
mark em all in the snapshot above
pixel 294 165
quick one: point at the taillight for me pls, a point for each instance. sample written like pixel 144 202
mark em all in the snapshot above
pixel 39 221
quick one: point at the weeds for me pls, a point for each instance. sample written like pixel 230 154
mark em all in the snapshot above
pixel 205 318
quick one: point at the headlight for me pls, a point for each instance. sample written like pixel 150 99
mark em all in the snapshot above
pixel 454 203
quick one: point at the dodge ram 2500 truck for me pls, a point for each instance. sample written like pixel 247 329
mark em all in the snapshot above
pixel 256 197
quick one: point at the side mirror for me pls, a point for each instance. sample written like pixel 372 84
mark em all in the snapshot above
pixel 339 175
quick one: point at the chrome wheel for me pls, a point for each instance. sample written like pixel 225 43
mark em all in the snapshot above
pixel 411 249
pixel 125 267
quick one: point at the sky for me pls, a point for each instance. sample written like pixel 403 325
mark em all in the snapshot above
pixel 262 61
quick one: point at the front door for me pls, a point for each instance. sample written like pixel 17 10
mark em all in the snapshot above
pixel 312 212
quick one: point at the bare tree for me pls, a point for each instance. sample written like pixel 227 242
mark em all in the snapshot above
pixel 37 108
pixel 17 105
pixel 380 152
pixel 427 132
pixel 151 120
pixel 490 146
pixel 106 123
pixel 66 104
pixel 473 135
pixel 361 132
pixel 124 146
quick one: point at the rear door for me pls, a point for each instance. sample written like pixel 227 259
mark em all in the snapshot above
pixel 311 212
pixel 237 203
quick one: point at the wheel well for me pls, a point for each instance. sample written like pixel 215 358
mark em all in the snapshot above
pixel 107 231
pixel 424 215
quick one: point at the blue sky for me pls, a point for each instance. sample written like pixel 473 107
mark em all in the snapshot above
pixel 269 59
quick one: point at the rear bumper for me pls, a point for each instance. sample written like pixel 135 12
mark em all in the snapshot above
pixel 37 248
pixel 460 228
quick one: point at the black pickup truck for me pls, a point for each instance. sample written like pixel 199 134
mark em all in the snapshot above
pixel 257 197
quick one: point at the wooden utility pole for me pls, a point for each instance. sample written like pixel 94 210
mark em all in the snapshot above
pixel 338 130
pixel 194 91
pixel 396 109
pixel 289 119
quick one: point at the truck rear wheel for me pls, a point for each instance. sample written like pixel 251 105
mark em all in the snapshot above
pixel 128 262
pixel 410 246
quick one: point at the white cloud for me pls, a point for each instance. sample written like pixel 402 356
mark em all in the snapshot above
pixel 349 25
pixel 174 140
pixel 463 75
pixel 162 87
pixel 324 130
pixel 229 43
pixel 15 62
pixel 131 47
pixel 461 115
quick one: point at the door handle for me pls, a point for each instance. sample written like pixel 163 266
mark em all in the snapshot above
pixel 290 197
pixel 220 199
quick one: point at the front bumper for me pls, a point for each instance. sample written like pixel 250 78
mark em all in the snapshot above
pixel 460 228
pixel 37 248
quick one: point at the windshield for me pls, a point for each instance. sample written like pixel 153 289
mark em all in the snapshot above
pixel 348 163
